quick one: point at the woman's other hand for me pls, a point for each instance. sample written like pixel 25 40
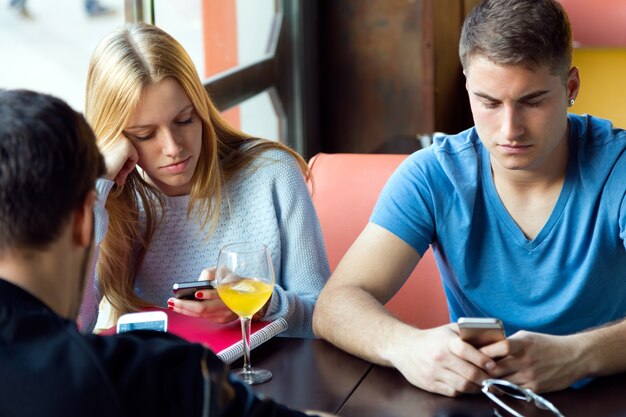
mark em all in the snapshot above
pixel 120 158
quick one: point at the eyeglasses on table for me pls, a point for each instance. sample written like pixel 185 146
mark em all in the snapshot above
pixel 497 389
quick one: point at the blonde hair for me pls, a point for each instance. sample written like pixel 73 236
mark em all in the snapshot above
pixel 124 63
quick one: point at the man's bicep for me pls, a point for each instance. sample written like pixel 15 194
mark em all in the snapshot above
pixel 378 262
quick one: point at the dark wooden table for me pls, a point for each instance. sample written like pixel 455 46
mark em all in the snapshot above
pixel 308 374
pixel 312 374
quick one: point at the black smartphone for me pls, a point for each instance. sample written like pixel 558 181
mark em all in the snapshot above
pixel 480 331
pixel 187 290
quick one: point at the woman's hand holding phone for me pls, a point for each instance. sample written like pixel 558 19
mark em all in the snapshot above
pixel 120 158
pixel 206 303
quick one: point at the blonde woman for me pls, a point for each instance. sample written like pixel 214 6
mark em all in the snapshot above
pixel 181 183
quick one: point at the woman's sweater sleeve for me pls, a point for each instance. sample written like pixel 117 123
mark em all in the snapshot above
pixel 304 264
pixel 91 295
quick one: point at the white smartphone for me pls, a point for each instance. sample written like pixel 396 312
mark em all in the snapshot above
pixel 144 320
pixel 480 331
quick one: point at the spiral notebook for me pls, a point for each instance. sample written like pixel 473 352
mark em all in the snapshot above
pixel 223 339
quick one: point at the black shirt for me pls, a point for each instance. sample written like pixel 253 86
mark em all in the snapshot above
pixel 47 368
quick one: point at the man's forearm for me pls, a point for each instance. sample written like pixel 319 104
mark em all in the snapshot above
pixel 355 321
pixel 603 349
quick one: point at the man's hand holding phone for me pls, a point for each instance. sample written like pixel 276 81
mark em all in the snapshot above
pixel 538 361
pixel 480 331
pixel 437 360
pixel 449 359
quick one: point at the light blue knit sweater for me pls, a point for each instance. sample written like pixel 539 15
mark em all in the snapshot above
pixel 267 202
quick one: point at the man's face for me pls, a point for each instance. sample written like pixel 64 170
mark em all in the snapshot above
pixel 520 114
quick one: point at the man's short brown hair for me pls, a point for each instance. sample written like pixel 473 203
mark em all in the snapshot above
pixel 519 32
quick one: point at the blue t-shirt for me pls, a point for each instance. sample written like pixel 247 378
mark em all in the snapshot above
pixel 571 277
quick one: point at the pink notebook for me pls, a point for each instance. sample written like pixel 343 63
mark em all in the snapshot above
pixel 223 339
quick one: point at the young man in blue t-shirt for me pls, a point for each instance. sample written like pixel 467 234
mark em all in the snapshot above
pixel 525 213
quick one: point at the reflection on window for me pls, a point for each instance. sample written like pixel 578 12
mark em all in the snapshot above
pixel 49 49
pixel 183 20
pixel 220 35
pixel 258 117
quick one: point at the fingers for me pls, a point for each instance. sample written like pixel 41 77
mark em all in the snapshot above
pixel 510 368
pixel 467 367
pixel 120 157
pixel 207 274
pixel 452 384
pixel 450 376
pixel 462 370
pixel 511 358
pixel 214 309
pixel 127 168
pixel 207 295
pixel 192 307
pixel 509 347
pixel 207 303
pixel 471 355
pixel 441 362
pixel 187 307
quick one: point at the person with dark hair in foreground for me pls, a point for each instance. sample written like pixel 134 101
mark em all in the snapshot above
pixel 49 163
pixel 526 216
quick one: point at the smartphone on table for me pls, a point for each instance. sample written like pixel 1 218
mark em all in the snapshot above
pixel 187 290
pixel 480 331
pixel 144 320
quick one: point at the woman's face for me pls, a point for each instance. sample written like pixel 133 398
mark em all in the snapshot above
pixel 167 133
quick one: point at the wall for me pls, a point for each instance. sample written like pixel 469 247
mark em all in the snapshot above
pixel 603 85
pixel 598 22
pixel 389 72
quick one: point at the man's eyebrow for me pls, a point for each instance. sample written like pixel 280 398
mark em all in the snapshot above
pixel 534 95
pixel 484 95
pixel 527 97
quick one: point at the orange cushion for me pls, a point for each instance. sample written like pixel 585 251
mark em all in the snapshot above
pixel 345 188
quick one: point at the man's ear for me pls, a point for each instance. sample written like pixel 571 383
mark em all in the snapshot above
pixel 83 221
pixel 573 83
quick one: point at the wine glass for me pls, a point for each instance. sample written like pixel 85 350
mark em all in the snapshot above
pixel 245 281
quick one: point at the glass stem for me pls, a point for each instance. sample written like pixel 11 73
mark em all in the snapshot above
pixel 245 330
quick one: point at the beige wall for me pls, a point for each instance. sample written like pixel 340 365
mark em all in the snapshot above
pixel 603 83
